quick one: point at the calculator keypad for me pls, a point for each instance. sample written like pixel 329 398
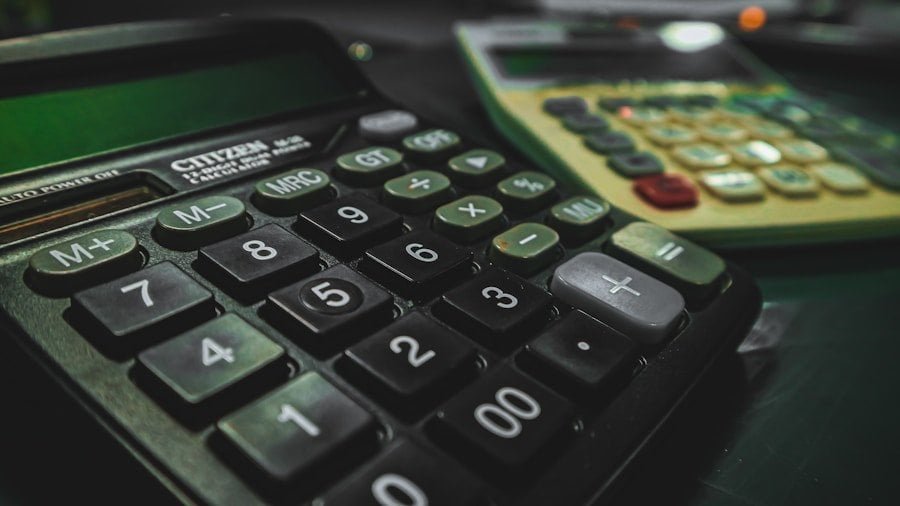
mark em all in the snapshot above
pixel 411 288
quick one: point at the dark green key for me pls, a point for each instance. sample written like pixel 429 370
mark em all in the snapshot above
pixel 300 428
pixel 195 223
pixel 633 165
pixel 687 267
pixel 584 122
pixel 609 142
pixel 579 218
pixel 525 248
pixel 205 365
pixel 87 259
pixel 417 191
pixel 526 191
pixel 476 168
pixel 432 144
pixel 370 166
pixel 292 191
pixel 469 218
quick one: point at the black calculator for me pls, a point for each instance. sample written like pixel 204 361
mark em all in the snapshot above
pixel 273 285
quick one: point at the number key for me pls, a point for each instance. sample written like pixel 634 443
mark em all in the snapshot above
pixel 350 224
pixel 506 418
pixel 200 368
pixel 329 307
pixel 406 475
pixel 495 306
pixel 411 360
pixel 299 427
pixel 418 263
pixel 258 260
pixel 158 301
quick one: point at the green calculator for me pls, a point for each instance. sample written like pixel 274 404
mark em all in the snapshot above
pixel 679 125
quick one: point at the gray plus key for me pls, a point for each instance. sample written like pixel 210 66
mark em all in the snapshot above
pixel 626 298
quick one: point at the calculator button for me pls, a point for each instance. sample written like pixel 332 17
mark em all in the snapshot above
pixel 641 115
pixel 86 259
pixel 417 191
pixel 496 306
pixel 613 104
pixel 406 475
pixel 293 191
pixel 160 300
pixel 412 359
pixel 350 224
pixel 468 219
pixel 840 178
pixel 370 166
pixel 617 294
pixel 610 142
pixel 387 126
pixel 755 153
pixel 476 168
pixel 300 428
pixel 690 269
pixel 789 181
pixel 737 112
pixel 667 191
pixel 329 308
pixel 768 130
pixel 633 165
pixel 432 144
pixel 801 151
pixel 418 263
pixel 702 156
pixel 262 258
pixel 526 191
pixel 581 354
pixel 505 417
pixel 670 134
pixel 692 113
pixel 733 185
pixel 584 122
pixel 192 224
pixel 208 362
pixel 579 218
pixel 560 106
pixel 881 166
pixel 722 132
pixel 525 248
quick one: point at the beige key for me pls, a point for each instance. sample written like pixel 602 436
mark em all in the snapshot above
pixel 722 132
pixel 768 130
pixel 755 153
pixel 733 185
pixel 669 134
pixel 840 178
pixel 692 114
pixel 802 151
pixel 702 156
pixel 641 116
pixel 789 180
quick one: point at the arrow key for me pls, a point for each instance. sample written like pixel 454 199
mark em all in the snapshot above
pixel 476 168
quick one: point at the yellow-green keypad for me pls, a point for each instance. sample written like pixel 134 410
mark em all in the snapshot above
pixel 840 178
pixel 733 185
pixel 702 156
pixel 469 218
pixel 417 191
pixel 755 153
pixel 525 248
pixel 789 181
pixel 802 151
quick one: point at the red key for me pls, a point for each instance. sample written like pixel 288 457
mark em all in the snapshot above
pixel 667 190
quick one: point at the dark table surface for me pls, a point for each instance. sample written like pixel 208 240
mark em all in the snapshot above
pixel 804 413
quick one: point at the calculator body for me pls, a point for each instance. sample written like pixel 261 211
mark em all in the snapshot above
pixel 679 125
pixel 91 233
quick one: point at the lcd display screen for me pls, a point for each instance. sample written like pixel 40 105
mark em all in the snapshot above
pixel 64 123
